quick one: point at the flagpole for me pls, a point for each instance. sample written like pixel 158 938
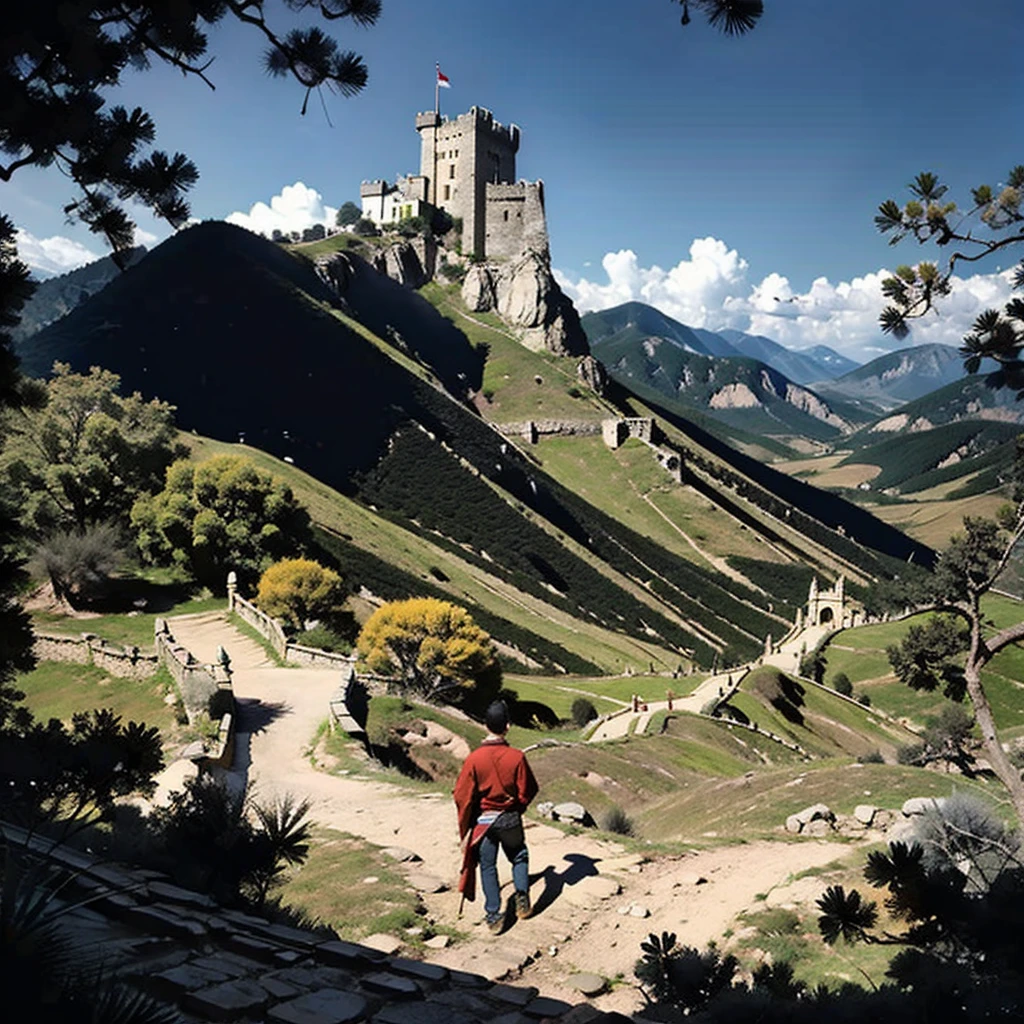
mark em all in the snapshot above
pixel 437 121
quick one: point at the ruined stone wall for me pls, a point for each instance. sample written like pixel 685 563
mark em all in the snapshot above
pixel 531 430
pixel 87 649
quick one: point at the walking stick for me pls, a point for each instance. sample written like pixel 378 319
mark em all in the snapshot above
pixel 462 900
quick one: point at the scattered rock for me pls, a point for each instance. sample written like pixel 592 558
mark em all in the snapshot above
pixel 864 813
pixel 423 881
pixel 572 811
pixel 437 942
pixel 794 824
pixel 816 812
pixel 545 808
pixel 638 910
pixel 383 943
pixel 588 984
pixel 592 374
pixel 818 828
pixel 401 854
pixel 370 880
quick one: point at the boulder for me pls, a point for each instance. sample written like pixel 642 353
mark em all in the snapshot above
pixel 592 374
pixel 588 984
pixel 794 824
pixel 819 827
pixel 571 811
pixel 815 812
pixel 402 263
pixel 864 813
pixel 478 289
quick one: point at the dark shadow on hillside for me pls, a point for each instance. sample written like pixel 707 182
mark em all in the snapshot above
pixel 579 867
pixel 410 323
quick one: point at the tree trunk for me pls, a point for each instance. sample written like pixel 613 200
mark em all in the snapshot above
pixel 1008 775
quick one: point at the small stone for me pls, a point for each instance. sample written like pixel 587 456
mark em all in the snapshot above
pixel 794 824
pixel 370 880
pixel 588 984
pixel 572 811
pixel 401 854
pixel 423 881
pixel 417 930
pixel 818 828
pixel 552 951
pixel 638 910
pixel 437 942
pixel 383 943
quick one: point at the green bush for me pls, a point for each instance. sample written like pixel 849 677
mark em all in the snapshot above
pixel 864 700
pixel 841 684
pixel 910 753
pixel 582 711
pixel 616 820
pixel 871 757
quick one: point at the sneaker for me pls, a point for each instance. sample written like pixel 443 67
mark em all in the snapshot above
pixel 523 906
pixel 496 924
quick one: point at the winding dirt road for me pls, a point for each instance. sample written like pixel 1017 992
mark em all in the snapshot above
pixel 582 885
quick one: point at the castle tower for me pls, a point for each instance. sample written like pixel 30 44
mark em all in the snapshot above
pixel 470 167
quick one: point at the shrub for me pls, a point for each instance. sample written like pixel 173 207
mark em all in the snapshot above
pixel 582 711
pixel 299 589
pixel 616 820
pixel 871 757
pixel 365 227
pixel 79 564
pixel 841 684
pixel 910 753
pixel 864 700
pixel 452 271
pixel 324 639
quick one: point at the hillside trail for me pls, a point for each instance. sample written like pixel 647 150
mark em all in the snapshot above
pixel 595 901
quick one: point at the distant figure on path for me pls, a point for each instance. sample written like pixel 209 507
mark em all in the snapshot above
pixel 493 790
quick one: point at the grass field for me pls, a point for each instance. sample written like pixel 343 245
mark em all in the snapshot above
pixel 58 690
pixel 355 888
pixel 132 629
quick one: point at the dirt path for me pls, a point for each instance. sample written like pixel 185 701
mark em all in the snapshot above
pixel 582 885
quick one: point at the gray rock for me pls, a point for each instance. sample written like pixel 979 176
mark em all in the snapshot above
pixel 384 943
pixel 592 374
pixel 228 1001
pixel 326 1006
pixel 922 804
pixel 545 808
pixel 864 813
pixel 638 910
pixel 818 828
pixel 478 291
pixel 815 812
pixel 570 811
pixel 437 942
pixel 794 824
pixel 391 986
pixel 401 854
pixel 402 263
pixel 588 984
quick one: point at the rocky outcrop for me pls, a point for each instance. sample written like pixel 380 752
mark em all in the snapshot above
pixel 409 263
pixel 526 296
pixel 592 374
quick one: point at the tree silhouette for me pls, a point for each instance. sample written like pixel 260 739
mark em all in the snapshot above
pixel 57 58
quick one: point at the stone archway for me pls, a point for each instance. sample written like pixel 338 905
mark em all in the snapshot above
pixel 826 617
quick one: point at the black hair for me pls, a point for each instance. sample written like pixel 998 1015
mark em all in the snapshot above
pixel 496 717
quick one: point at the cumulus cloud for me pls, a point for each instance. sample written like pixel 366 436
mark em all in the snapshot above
pixel 146 238
pixel 54 255
pixel 711 289
pixel 295 208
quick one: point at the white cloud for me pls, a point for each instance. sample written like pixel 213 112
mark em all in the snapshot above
pixel 295 208
pixel 146 238
pixel 710 289
pixel 51 256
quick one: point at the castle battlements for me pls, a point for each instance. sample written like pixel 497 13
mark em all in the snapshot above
pixel 468 169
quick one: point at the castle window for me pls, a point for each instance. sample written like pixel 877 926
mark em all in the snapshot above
pixel 447 191
pixel 451 170
pixel 506 215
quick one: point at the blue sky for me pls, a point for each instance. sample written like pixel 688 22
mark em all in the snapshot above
pixel 708 175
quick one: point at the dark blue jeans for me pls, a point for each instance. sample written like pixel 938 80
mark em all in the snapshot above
pixel 513 842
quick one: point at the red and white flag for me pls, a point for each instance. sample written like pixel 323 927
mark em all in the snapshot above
pixel 442 79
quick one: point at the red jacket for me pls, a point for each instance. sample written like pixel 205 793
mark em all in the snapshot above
pixel 495 777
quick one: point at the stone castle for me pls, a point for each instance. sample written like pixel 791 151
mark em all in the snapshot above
pixel 467 169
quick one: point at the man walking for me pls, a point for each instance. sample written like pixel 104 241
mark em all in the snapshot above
pixel 494 787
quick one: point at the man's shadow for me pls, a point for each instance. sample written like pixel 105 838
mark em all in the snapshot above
pixel 579 867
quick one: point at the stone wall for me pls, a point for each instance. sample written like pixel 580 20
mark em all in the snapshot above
pixel 514 219
pixel 88 649
pixel 531 430
pixel 201 686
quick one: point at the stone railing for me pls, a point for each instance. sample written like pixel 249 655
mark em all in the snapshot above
pixel 88 649
pixel 203 688
pixel 273 632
